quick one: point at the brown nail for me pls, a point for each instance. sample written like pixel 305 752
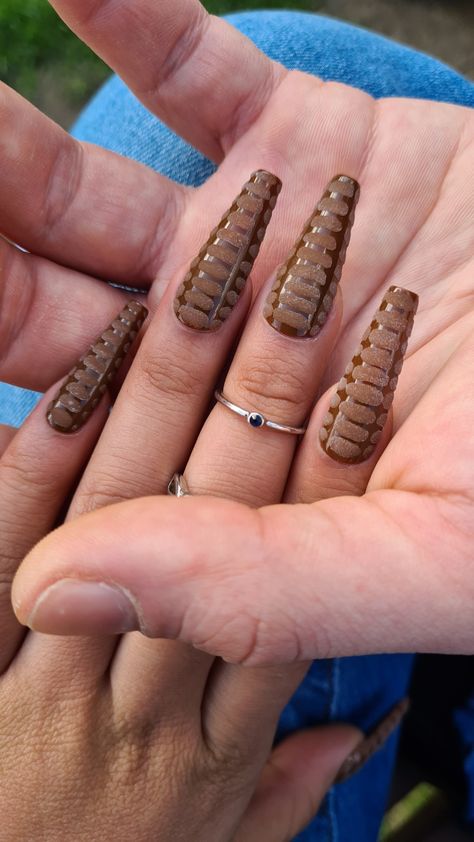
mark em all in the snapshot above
pixel 358 410
pixel 82 390
pixel 371 744
pixel 218 275
pixel 306 284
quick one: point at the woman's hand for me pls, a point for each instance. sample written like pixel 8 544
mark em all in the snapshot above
pixel 120 738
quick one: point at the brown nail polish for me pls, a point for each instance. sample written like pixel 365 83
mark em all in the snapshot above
pixel 371 744
pixel 218 275
pixel 358 410
pixel 82 390
pixel 306 284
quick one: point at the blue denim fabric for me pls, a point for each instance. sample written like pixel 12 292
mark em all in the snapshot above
pixel 359 690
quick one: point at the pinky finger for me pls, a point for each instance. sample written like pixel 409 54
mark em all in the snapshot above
pixel 294 782
pixel 351 426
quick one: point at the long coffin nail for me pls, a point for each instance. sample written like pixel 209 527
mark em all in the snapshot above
pixel 371 744
pixel 86 383
pixel 358 411
pixel 305 286
pixel 218 275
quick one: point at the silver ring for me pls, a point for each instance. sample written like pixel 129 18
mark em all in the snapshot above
pixel 256 419
pixel 178 487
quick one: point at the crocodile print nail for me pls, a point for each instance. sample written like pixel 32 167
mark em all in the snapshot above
pixel 218 275
pixel 305 286
pixel 358 410
pixel 86 383
pixel 371 744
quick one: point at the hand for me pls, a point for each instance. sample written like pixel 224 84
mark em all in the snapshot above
pixel 367 573
pixel 141 704
pixel 140 738
pixel 87 214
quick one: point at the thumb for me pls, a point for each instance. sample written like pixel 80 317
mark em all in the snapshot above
pixel 294 782
pixel 339 577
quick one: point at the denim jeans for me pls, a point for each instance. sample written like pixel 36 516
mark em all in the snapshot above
pixel 359 690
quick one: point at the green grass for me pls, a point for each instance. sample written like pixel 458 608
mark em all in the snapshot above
pixel 33 41
pixel 37 49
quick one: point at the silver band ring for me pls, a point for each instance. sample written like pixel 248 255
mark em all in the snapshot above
pixel 178 487
pixel 256 419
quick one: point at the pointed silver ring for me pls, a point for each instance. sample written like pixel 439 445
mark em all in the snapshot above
pixel 178 487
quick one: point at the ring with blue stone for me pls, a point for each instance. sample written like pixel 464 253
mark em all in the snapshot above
pixel 256 419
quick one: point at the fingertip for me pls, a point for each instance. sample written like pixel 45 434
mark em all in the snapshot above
pixel 317 473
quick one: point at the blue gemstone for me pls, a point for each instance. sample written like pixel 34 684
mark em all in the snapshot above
pixel 256 420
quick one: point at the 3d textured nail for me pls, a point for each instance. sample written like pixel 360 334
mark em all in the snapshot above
pixel 86 383
pixel 358 410
pixel 371 744
pixel 305 286
pixel 218 275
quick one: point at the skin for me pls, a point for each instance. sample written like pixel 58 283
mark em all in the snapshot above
pixel 230 594
pixel 356 558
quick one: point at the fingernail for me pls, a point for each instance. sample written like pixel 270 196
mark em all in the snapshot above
pixel 71 607
pixel 86 383
pixel 371 744
pixel 219 273
pixel 305 285
pixel 358 411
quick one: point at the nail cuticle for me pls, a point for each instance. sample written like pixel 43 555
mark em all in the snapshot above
pixel 218 275
pixel 305 286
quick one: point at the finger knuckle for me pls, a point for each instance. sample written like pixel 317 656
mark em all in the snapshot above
pixel 279 389
pixel 167 376
pixel 187 39
pixel 24 476
pixel 93 497
pixel 61 185
pixel 226 763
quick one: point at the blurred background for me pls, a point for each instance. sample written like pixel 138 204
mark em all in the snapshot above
pixel 46 63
